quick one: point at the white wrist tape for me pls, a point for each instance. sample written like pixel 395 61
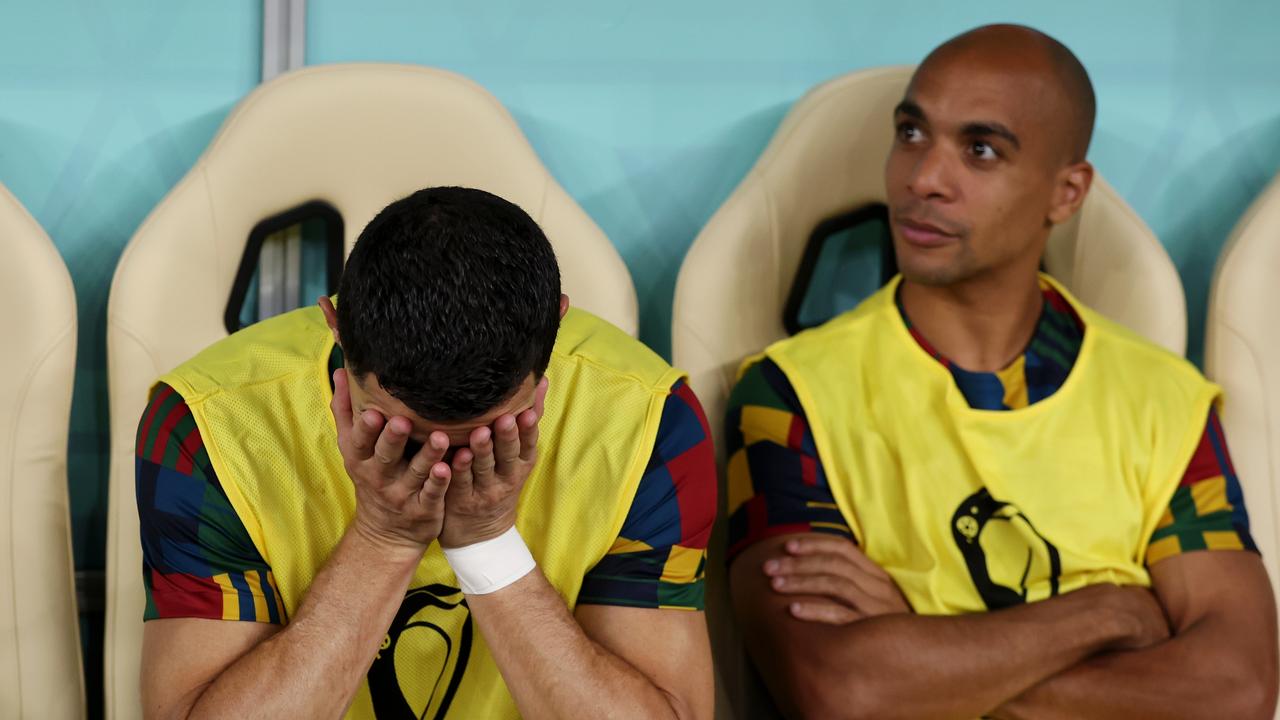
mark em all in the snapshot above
pixel 490 565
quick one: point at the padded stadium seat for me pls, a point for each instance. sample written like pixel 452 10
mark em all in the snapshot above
pixel 356 137
pixel 1242 353
pixel 40 671
pixel 825 160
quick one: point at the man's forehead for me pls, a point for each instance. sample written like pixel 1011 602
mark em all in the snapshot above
pixel 373 397
pixel 954 99
pixel 460 432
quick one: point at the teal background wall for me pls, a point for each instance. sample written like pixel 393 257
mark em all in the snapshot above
pixel 104 106
pixel 648 113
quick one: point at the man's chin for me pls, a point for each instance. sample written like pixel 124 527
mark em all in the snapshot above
pixel 930 275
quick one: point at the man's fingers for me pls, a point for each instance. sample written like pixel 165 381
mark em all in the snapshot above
pixel 482 463
pixel 364 434
pixel 823 612
pixel 835 587
pixel 844 547
pixel 824 564
pixel 430 454
pixel 819 543
pixel 389 447
pixel 867 587
pixel 528 425
pixel 461 471
pixel 506 443
pixel 437 484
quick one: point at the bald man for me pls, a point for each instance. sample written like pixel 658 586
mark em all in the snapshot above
pixel 972 495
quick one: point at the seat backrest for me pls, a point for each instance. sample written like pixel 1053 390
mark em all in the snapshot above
pixel 356 137
pixel 40 671
pixel 1242 354
pixel 825 160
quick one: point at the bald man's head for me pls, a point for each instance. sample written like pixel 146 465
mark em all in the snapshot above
pixel 1025 49
pixel 989 155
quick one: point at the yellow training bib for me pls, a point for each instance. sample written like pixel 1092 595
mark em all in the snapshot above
pixel 261 401
pixel 970 510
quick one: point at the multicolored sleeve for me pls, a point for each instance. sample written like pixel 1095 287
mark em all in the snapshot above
pixel 1207 511
pixel 659 558
pixel 197 558
pixel 776 481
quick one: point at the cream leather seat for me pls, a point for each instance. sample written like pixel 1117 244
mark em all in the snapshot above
pixel 40 671
pixel 1242 353
pixel 356 137
pixel 825 160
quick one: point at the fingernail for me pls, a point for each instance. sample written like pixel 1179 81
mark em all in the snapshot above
pixel 779 582
pixel 771 566
pixel 793 545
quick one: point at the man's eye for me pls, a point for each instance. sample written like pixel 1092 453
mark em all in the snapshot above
pixel 908 132
pixel 984 151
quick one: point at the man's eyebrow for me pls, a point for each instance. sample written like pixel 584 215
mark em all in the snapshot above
pixel 910 109
pixel 988 128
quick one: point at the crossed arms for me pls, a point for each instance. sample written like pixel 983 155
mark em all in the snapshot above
pixel 834 639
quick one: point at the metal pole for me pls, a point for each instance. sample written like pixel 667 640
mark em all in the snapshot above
pixel 284 32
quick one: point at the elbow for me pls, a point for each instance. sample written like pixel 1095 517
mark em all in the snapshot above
pixel 821 696
pixel 1255 701
pixel 1254 691
pixel 1262 697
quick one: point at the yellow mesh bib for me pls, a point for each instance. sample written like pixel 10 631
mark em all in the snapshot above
pixel 970 510
pixel 261 401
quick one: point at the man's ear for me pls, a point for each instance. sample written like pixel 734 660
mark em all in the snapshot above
pixel 1073 185
pixel 330 317
pixel 564 305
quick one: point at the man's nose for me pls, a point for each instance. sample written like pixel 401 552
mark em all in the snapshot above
pixel 931 176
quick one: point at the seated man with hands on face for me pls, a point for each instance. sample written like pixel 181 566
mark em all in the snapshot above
pixel 972 495
pixel 297 475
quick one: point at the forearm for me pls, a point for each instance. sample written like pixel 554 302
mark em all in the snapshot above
pixel 551 667
pixel 314 666
pixel 1198 674
pixel 911 666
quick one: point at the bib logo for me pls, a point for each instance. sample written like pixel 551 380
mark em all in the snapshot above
pixel 423 657
pixel 1004 553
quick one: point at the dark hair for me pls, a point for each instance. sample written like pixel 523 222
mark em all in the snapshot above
pixel 451 297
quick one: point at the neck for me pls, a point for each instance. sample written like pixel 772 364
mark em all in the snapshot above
pixel 982 324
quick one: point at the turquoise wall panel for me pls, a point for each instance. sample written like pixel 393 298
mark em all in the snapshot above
pixel 650 113
pixel 103 107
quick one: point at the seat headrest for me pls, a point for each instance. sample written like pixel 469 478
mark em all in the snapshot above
pixel 1242 353
pixel 40 670
pixel 357 137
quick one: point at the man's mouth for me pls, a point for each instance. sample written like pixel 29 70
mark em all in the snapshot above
pixel 924 234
